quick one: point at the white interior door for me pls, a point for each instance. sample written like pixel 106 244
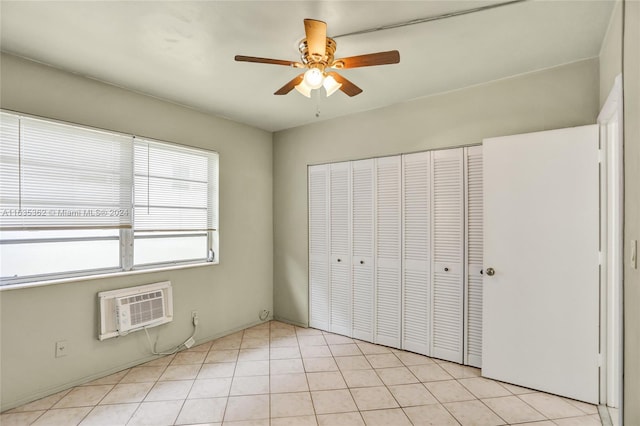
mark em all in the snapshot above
pixel 448 254
pixel 473 256
pixel 362 213
pixel 416 253
pixel 541 227
pixel 319 246
pixel 340 243
pixel 388 251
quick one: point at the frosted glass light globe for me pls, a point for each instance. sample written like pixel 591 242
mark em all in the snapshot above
pixel 313 78
pixel 303 89
pixel 331 85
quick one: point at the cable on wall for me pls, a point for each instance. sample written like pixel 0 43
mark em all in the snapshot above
pixel 430 18
pixel 185 345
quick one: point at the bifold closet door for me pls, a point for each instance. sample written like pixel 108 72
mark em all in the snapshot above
pixel 447 254
pixel 388 235
pixel 473 255
pixel 416 262
pixel 318 178
pixel 340 244
pixel 362 183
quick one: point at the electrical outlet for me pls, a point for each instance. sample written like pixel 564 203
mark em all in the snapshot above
pixel 194 314
pixel 61 348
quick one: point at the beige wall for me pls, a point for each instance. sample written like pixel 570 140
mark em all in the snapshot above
pixel 228 296
pixel 631 83
pixel 561 97
pixel 611 53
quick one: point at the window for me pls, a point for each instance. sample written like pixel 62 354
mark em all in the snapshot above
pixel 47 254
pixel 76 201
pixel 175 203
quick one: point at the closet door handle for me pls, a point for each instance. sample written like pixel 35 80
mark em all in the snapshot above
pixel 446 269
pixel 362 262
pixel 339 260
pixel 490 271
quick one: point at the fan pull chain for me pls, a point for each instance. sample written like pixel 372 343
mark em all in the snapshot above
pixel 318 103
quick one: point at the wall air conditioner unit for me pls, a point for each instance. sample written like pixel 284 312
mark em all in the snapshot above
pixel 131 309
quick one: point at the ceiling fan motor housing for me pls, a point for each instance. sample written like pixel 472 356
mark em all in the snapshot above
pixel 315 61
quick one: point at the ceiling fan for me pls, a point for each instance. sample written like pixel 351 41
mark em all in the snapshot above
pixel 317 56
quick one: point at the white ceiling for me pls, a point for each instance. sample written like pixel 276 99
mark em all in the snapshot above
pixel 183 51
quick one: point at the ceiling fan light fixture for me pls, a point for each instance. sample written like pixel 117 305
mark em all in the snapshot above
pixel 317 55
pixel 304 89
pixel 313 78
pixel 331 85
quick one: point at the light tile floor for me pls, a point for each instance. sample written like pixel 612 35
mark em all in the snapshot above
pixel 276 374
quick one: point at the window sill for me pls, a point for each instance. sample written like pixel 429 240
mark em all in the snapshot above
pixel 103 276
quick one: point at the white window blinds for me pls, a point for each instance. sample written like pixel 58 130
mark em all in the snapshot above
pixel 176 188
pixel 58 176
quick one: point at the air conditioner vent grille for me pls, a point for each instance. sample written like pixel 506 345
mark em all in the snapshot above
pixel 143 311
pixel 139 310
pixel 141 297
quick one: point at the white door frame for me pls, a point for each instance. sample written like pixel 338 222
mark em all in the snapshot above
pixel 611 225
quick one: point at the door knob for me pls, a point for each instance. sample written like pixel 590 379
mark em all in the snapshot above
pixel 491 271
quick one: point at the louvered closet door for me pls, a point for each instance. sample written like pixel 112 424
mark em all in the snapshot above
pixel 388 251
pixel 318 177
pixel 416 262
pixel 448 252
pixel 340 242
pixel 362 182
pixel 473 255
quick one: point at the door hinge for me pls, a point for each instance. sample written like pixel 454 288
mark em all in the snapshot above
pixel 600 156
pixel 599 359
pixel 600 258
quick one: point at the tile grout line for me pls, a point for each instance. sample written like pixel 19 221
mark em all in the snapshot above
pixel 427 389
pixel 482 402
pixel 306 373
pixel 306 378
pixel 375 371
pixel 152 386
pixel 114 386
pixel 521 400
pixel 389 390
pixel 37 418
pixel 233 374
pixel 333 357
pixel 533 408
pixel 190 387
pixel 139 404
pixel 419 381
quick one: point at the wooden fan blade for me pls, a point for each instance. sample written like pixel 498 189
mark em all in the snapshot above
pixel 290 85
pixel 316 32
pixel 380 58
pixel 347 87
pixel 241 58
